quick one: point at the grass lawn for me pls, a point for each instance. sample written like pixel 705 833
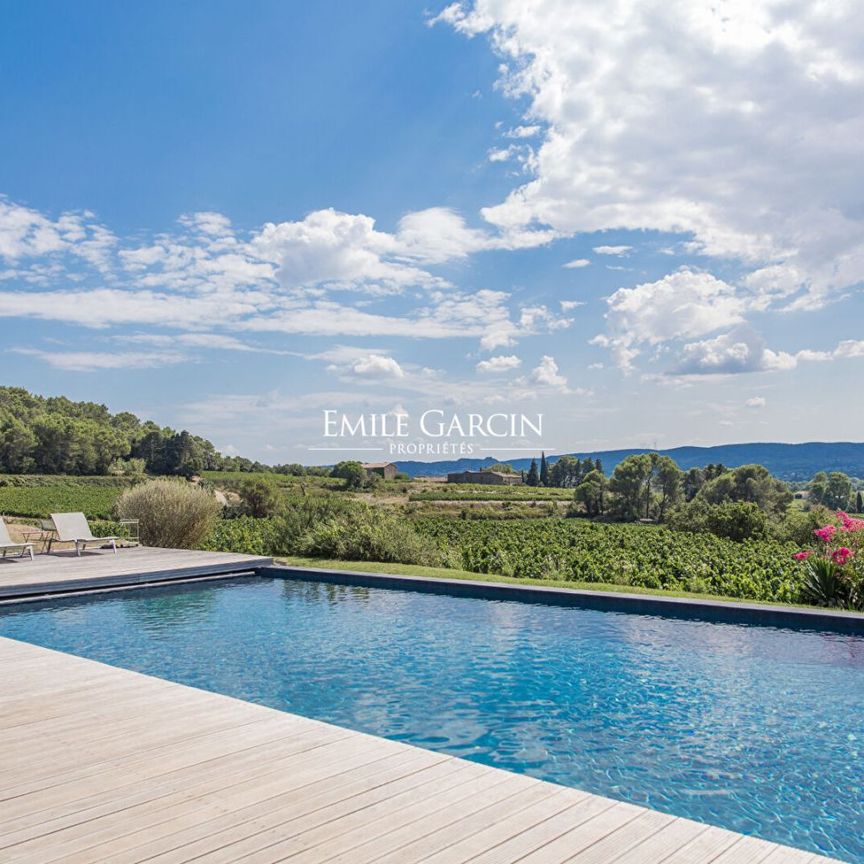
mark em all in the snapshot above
pixel 445 573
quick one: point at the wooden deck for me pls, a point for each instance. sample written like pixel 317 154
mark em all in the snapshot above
pixel 99 764
pixel 64 571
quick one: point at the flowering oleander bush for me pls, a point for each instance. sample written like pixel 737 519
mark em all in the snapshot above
pixel 834 570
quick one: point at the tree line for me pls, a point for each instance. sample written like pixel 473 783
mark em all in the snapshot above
pixel 54 435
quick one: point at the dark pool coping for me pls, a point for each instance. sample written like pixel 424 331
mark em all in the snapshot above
pixel 722 611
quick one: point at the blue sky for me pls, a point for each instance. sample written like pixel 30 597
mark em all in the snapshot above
pixel 642 221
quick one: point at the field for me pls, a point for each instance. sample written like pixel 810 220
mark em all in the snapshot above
pixel 95 501
pixel 481 492
pixel 646 556
pixel 234 479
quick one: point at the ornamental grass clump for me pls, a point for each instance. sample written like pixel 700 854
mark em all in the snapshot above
pixel 834 570
pixel 172 514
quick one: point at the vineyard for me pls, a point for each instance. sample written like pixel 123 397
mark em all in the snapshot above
pixel 639 555
pixel 95 501
pixel 481 492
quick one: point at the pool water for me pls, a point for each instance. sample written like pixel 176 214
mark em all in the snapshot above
pixel 756 729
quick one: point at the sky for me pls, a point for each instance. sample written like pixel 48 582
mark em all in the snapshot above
pixel 640 219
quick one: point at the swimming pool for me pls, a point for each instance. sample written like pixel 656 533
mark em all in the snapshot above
pixel 756 729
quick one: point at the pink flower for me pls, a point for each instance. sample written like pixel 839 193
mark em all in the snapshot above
pixel 802 556
pixel 841 556
pixel 825 534
pixel 850 524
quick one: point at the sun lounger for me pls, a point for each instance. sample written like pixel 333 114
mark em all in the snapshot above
pixel 6 542
pixel 73 528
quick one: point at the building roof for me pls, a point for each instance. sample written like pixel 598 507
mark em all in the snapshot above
pixel 378 464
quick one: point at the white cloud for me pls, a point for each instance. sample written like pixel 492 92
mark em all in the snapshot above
pixel 500 154
pixel 576 263
pixel 756 402
pixel 329 274
pixel 733 123
pixel 376 366
pixel 501 363
pixel 438 234
pixel 684 304
pixel 732 353
pixel 524 131
pixel 612 250
pixel 91 361
pixel 570 305
pixel 546 374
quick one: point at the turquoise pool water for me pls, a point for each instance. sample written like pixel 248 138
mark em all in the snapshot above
pixel 757 729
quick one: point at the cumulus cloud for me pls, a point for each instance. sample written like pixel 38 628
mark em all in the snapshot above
pixel 576 263
pixel 500 363
pixel 546 374
pixel 687 303
pixel 376 366
pixel 328 274
pixel 734 124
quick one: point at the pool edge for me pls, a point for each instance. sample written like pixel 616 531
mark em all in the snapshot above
pixel 714 610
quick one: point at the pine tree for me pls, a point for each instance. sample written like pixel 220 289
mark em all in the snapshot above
pixel 533 478
pixel 544 470
pixel 859 503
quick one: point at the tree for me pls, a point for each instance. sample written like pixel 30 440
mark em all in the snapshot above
pixel 666 484
pixel 352 472
pixel 693 480
pixel 859 503
pixel 544 470
pixel 630 483
pixel 568 472
pixel 502 468
pixel 748 483
pixel 590 493
pixel 833 490
pixel 533 476
pixel 261 497
pixel 17 446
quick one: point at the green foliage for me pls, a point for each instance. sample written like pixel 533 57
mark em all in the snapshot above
pixel 172 513
pixel 544 470
pixel 734 520
pixel 37 501
pixel 487 492
pixel 532 478
pixel 643 555
pixel 246 535
pixel 630 485
pixel 53 435
pixel 352 472
pixel 261 497
pixel 823 583
pixel 834 490
pixel 751 483
pixel 364 533
pixel 828 584
pixel 591 493
pixel 569 471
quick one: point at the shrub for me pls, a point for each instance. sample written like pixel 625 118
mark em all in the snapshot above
pixel 732 520
pixel 363 533
pixel 172 513
pixel 261 497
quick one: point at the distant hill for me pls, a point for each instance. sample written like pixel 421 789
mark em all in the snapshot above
pixel 787 461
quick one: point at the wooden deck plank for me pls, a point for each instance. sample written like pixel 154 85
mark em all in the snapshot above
pixel 64 571
pixel 105 765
